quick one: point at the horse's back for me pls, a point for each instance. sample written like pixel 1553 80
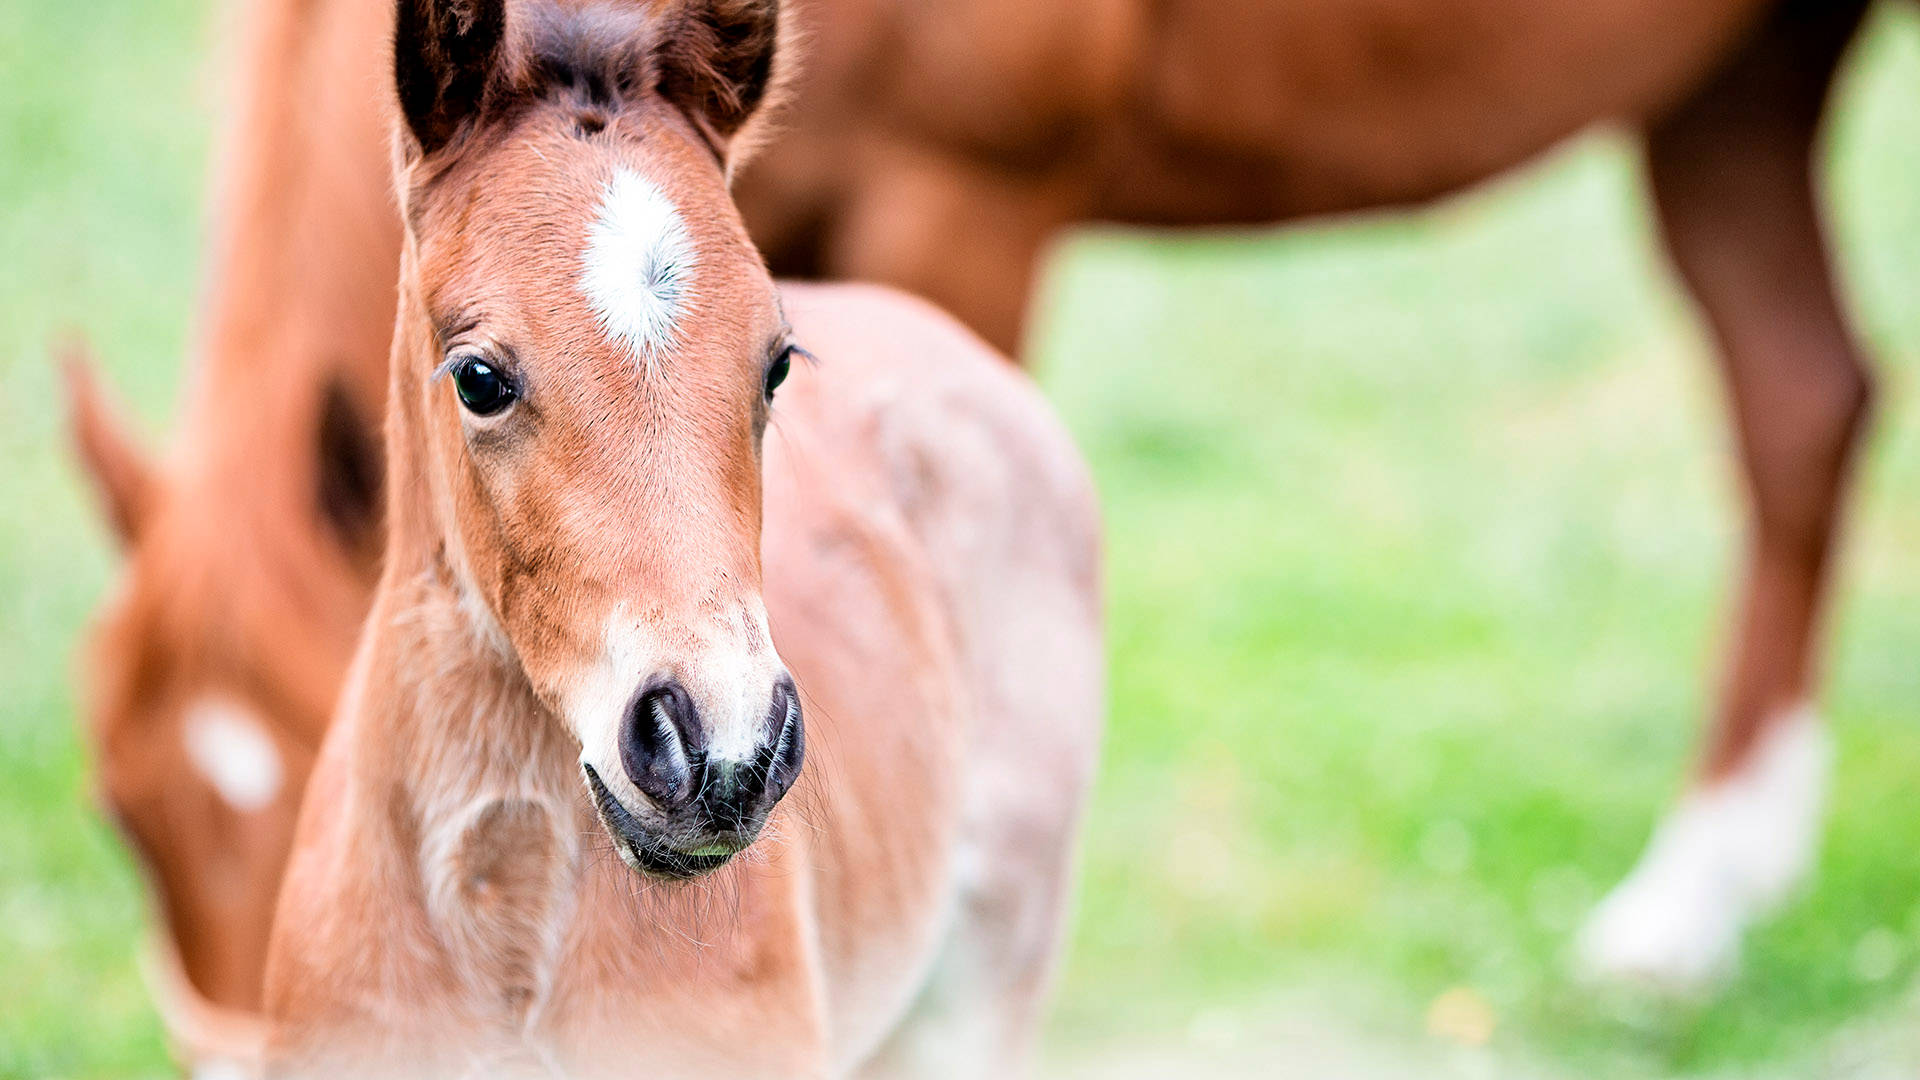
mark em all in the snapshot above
pixel 1199 112
pixel 980 470
pixel 1334 105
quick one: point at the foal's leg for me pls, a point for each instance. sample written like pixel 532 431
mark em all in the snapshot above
pixel 1732 171
pixel 1037 680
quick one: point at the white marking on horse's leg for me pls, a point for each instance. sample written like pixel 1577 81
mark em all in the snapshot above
pixel 638 264
pixel 1725 856
pixel 233 751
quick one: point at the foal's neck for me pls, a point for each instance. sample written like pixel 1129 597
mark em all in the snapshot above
pixel 479 778
pixel 455 697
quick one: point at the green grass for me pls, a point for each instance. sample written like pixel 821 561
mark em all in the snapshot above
pixel 1420 527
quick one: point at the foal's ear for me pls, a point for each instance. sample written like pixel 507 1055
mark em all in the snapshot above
pixel 446 53
pixel 122 478
pixel 716 62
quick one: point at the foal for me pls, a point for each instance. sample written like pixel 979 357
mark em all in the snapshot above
pixel 909 134
pixel 569 656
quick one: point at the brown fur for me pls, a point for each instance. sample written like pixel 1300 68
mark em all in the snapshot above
pixel 249 566
pixel 917 123
pixel 939 147
pixel 451 901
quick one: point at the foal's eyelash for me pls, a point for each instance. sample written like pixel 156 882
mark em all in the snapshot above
pixel 451 361
pixel 499 356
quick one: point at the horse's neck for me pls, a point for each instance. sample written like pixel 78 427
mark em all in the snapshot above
pixel 449 739
pixel 304 241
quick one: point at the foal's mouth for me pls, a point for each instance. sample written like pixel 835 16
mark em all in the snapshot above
pixel 646 853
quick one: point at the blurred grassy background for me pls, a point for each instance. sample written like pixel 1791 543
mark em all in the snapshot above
pixel 1420 527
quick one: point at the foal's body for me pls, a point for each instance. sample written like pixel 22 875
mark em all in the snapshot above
pixel 546 833
pixel 911 506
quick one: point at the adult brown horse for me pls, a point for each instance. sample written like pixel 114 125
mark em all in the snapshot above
pixel 252 549
pixel 914 124
pixel 593 382
pixel 920 122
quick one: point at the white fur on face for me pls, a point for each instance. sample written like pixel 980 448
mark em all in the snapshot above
pixel 1725 856
pixel 638 265
pixel 232 750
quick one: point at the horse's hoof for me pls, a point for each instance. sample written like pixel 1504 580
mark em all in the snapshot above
pixel 1667 926
pixel 1726 856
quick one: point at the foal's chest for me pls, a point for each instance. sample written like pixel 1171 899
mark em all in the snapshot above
pixel 498 875
pixel 579 968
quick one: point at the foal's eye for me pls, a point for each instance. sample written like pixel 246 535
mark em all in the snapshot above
pixel 481 386
pixel 777 372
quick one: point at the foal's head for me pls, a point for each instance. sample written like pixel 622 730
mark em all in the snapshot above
pixel 587 350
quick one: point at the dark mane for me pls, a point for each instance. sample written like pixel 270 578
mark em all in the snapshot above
pixel 600 56
pixel 715 62
pixel 487 62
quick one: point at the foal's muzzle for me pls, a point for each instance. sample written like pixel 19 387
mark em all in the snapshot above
pixel 703 809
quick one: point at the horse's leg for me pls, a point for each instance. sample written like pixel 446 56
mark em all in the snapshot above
pixel 962 234
pixel 1732 171
pixel 977 1016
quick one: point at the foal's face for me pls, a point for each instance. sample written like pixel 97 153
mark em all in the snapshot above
pixel 604 344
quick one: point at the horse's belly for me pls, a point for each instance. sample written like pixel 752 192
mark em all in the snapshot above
pixel 1322 105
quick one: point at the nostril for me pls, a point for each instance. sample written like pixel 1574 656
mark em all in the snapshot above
pixel 736 795
pixel 660 742
pixel 789 748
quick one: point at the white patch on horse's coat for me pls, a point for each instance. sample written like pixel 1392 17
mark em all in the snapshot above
pixel 232 750
pixel 1725 856
pixel 638 264
pixel 220 1069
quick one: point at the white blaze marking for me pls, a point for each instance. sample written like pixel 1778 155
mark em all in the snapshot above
pixel 1722 858
pixel 637 265
pixel 232 749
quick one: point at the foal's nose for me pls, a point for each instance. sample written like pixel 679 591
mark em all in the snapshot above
pixel 735 794
pixel 662 743
pixel 663 747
